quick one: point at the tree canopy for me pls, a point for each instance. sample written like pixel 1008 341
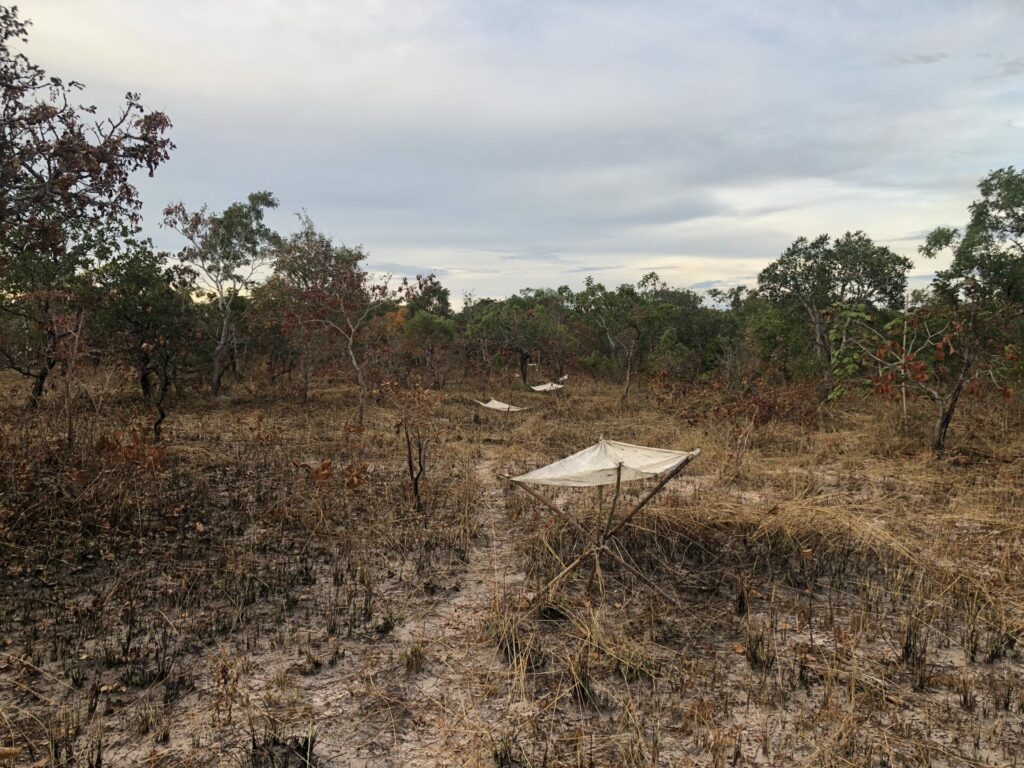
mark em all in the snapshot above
pixel 78 278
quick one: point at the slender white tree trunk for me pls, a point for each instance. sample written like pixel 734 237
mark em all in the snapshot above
pixel 359 377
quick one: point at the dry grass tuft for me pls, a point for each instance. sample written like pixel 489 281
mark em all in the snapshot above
pixel 267 588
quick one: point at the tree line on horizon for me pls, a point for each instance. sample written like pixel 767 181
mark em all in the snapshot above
pixel 79 284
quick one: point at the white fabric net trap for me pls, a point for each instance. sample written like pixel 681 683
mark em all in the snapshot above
pixel 497 405
pixel 606 463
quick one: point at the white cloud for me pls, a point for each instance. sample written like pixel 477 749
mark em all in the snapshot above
pixel 514 144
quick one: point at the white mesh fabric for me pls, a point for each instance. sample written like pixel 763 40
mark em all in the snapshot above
pixel 599 465
pixel 497 405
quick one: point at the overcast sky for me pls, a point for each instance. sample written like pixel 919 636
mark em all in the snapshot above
pixel 518 143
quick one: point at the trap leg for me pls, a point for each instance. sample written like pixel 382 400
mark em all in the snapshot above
pixel 595 548
pixel 549 504
pixel 642 578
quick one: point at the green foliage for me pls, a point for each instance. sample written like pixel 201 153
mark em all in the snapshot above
pixel 74 275
pixel 66 195
pixel 598 364
pixel 820 274
pixel 428 342
pixel 988 255
pixel 937 348
pixel 429 295
pixel 816 279
pixel 427 330
pixel 524 326
pixel 143 308
pixel 225 251
pixel 760 339
pixel 145 317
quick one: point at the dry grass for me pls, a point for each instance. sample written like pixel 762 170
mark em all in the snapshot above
pixel 842 598
pixel 262 590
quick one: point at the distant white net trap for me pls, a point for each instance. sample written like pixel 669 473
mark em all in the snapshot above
pixel 549 387
pixel 606 463
pixel 497 405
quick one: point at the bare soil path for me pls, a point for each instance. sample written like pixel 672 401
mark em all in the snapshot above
pixel 449 697
pixel 432 692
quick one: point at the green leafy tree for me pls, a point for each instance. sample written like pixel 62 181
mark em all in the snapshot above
pixel 226 251
pixel 428 341
pixel 145 317
pixel 141 299
pixel 817 278
pixel 938 349
pixel 422 332
pixel 272 332
pixel 690 342
pixel 65 194
pixel 988 254
pixel 760 339
pixel 631 320
pixel 552 326
pixel 969 329
pixel 508 328
pixel 429 295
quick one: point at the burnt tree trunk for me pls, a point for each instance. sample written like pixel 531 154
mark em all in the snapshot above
pixel 165 387
pixel 629 372
pixel 220 355
pixel 947 409
pixel 947 404
pixel 304 376
pixel 39 383
pixel 359 377
pixel 145 368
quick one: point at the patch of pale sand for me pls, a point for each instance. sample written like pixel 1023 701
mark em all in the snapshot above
pixel 463 670
pixel 383 714
pixel 368 709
